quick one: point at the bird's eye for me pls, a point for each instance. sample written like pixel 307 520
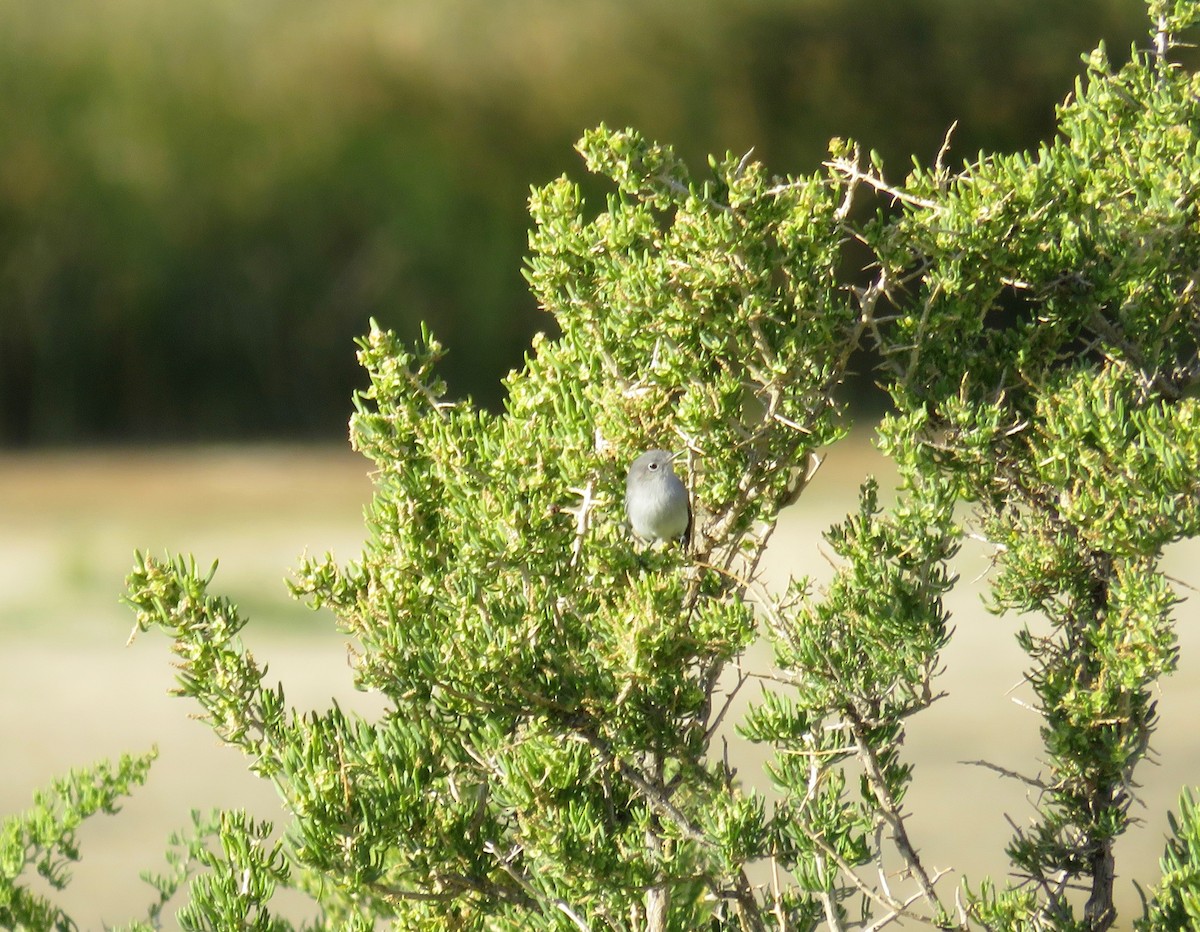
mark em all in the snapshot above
pixel 653 466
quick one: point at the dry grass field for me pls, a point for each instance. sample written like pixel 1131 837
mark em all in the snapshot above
pixel 73 692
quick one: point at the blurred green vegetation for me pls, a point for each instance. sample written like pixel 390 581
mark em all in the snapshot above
pixel 201 203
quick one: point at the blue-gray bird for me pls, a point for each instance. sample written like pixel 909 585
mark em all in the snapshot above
pixel 656 501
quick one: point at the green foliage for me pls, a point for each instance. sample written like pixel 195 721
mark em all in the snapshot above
pixel 554 687
pixel 1173 16
pixel 44 838
pixel 185 854
pixel 233 893
pixel 859 660
pixel 1045 366
pixel 551 686
pixel 1176 903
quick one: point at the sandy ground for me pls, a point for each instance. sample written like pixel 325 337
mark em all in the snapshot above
pixel 72 692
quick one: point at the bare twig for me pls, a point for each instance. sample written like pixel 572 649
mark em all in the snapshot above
pixel 895 914
pixel 1011 774
pixel 851 170
pixel 582 513
pixel 831 916
pixel 720 716
pixel 1162 39
pixel 939 163
pixel 777 896
pixel 890 811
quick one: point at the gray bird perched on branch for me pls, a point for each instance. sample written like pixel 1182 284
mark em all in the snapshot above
pixel 656 500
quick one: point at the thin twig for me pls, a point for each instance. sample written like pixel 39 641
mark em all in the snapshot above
pixel 939 163
pixel 851 170
pixel 582 513
pixel 894 914
pixel 891 812
pixel 712 729
pixel 655 796
pixel 1011 774
pixel 831 917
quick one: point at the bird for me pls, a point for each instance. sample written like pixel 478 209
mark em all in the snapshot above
pixel 656 500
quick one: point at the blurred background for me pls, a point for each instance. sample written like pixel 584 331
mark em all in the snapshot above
pixel 202 203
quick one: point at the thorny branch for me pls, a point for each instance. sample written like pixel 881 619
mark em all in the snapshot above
pixel 851 170
pixel 889 810
pixel 1012 774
